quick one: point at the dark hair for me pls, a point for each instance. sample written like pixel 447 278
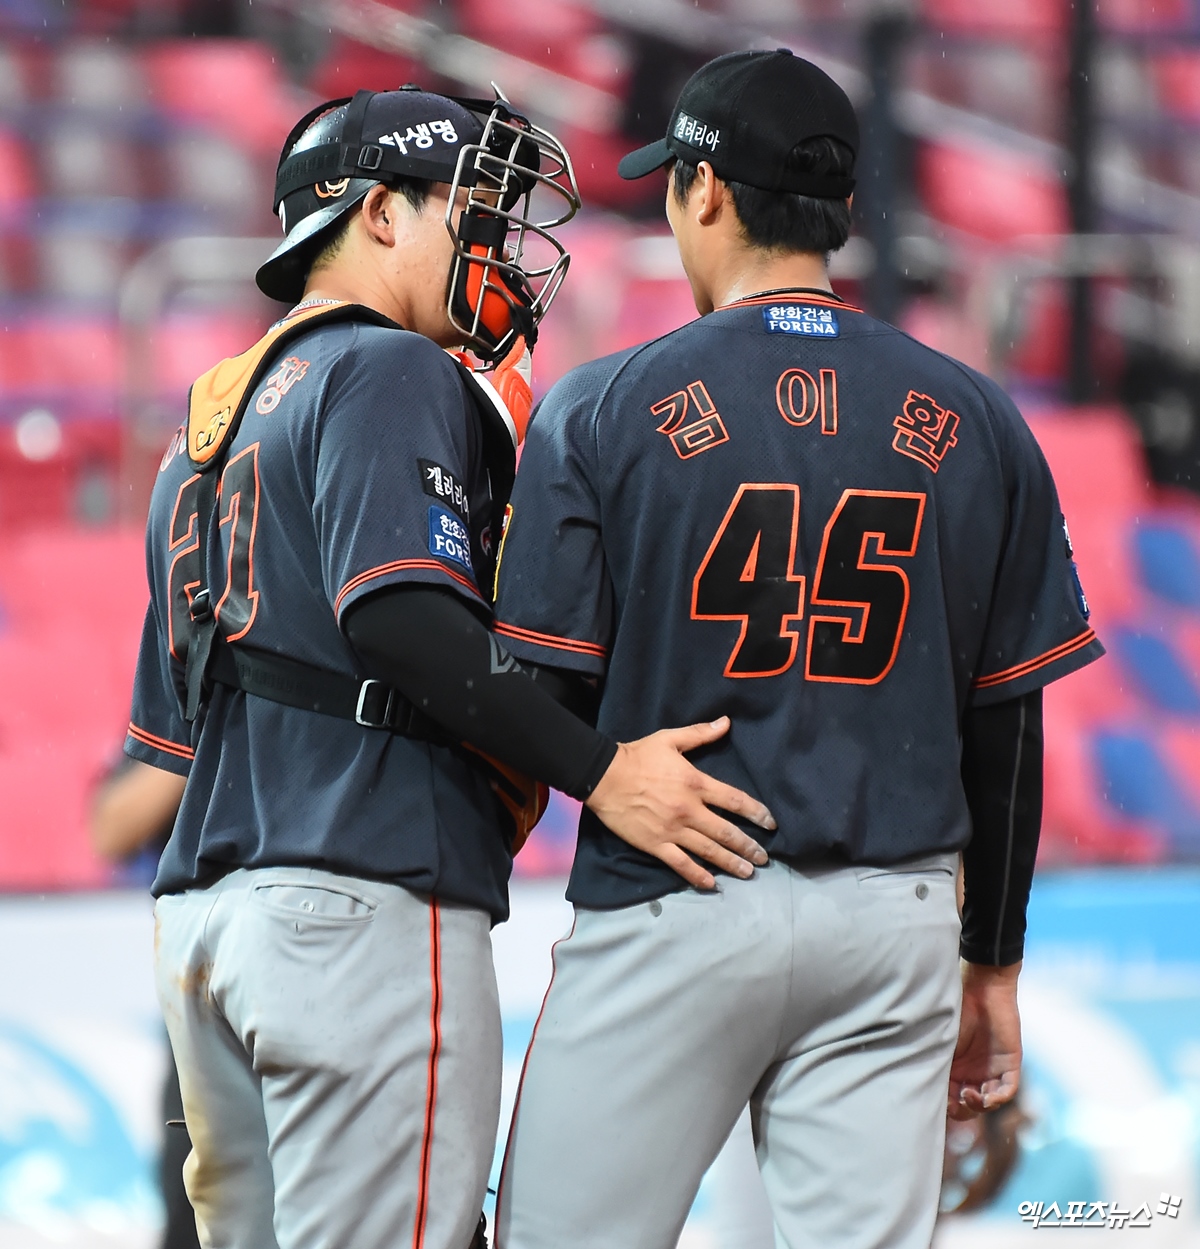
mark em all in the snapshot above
pixel 779 220
pixel 327 243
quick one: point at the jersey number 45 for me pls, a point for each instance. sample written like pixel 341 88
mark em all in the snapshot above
pixel 858 603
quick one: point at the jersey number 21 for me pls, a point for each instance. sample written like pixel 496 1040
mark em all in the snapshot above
pixel 237 508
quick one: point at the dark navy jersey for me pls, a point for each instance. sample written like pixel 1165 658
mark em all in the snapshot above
pixel 357 466
pixel 798 516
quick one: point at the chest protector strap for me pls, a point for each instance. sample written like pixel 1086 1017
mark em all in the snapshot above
pixel 216 405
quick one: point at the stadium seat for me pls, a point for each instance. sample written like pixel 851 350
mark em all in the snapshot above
pixel 88 157
pixel 537 29
pixel 187 344
pixel 100 76
pixel 651 308
pixel 994 194
pixel 67 353
pixel 1177 77
pixel 33 493
pixel 18 183
pixel 66 674
pixel 233 85
pixel 1139 783
pixel 1169 562
pixel 1079 825
pixel 1137 17
pixel 1102 484
pixel 1157 668
pixel 15 85
pixel 1040 351
pixel 80 265
pixel 212 173
pixel 348 66
pixel 594 157
pixel 1013 18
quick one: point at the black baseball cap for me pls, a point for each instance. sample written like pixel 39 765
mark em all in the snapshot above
pixel 338 152
pixel 744 113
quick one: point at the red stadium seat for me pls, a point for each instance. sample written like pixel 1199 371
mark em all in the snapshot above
pixel 33 492
pixel 1135 17
pixel 537 29
pixel 1177 75
pixel 66 672
pixel 1078 825
pixel 233 85
pixel 594 157
pixel 995 194
pixel 652 307
pixel 1102 484
pixel 18 184
pixel 348 66
pixel 57 353
pixel 1040 352
pixel 188 344
pixel 1181 746
pixel 997 17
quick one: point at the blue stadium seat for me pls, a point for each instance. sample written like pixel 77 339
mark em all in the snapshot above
pixel 1169 563
pixel 1138 782
pixel 1158 670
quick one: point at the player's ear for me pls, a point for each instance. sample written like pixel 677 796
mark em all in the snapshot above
pixel 378 215
pixel 710 194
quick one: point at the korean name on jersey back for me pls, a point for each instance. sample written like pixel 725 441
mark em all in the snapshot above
pixel 804 319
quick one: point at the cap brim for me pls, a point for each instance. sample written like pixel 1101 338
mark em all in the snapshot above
pixel 645 160
pixel 282 275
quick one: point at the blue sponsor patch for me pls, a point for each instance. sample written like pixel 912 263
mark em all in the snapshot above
pixel 805 319
pixel 449 539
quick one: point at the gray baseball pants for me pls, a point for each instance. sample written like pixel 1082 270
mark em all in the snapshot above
pixel 826 999
pixel 339 1053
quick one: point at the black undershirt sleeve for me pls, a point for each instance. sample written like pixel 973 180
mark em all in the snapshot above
pixel 429 645
pixel 1002 776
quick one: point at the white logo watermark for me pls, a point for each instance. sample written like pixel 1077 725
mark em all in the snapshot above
pixel 1109 1214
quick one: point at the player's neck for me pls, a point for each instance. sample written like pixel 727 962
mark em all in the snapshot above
pixel 751 271
pixel 348 285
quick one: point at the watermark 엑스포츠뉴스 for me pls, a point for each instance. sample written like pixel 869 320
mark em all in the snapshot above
pixel 1109 1214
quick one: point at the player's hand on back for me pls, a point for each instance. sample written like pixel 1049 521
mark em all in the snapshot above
pixel 986 1071
pixel 654 799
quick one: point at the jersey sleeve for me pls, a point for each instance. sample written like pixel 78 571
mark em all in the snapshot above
pixel 1038 628
pixel 395 407
pixel 554 601
pixel 158 734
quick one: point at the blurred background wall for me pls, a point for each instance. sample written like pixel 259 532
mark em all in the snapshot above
pixel 1029 201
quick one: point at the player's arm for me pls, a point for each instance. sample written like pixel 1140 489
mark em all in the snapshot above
pixel 131 807
pixel 1002 779
pixel 434 649
pixel 1037 631
pixel 157 734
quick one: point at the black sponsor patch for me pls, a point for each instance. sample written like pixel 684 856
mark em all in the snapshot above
pixel 442 485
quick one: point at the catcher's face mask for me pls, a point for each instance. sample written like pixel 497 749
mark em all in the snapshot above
pixel 508 266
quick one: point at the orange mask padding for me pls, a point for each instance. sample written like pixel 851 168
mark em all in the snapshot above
pixel 496 316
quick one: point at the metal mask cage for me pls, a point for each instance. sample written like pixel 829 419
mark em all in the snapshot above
pixel 513 160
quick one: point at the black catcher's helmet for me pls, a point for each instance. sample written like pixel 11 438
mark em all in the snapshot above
pixel 495 290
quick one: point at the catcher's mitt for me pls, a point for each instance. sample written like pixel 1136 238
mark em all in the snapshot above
pixel 980 1156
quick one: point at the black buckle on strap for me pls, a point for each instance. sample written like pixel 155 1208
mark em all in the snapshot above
pixel 201 606
pixel 370 157
pixel 368 712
